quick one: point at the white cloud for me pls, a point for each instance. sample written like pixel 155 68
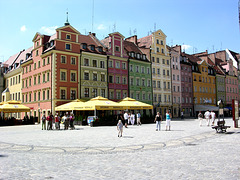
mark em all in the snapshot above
pixel 23 28
pixel 186 47
pixel 48 30
pixel 101 27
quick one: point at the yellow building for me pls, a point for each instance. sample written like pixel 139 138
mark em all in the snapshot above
pixel 13 78
pixel 203 83
pixel 161 74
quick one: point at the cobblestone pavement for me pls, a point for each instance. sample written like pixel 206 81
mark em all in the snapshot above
pixel 186 152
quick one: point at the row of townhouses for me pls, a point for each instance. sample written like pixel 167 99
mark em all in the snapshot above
pixel 68 65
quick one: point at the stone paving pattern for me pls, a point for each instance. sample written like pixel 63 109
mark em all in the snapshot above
pixel 186 152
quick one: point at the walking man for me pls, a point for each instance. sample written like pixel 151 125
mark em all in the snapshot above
pixel 207 117
pixel 138 118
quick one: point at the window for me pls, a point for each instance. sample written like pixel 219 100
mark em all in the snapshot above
pixel 163 51
pixel 117 48
pixel 159 84
pixel 143 70
pixel 35 96
pixel 35 80
pixel 153 71
pixel 44 62
pixel 30 97
pixel 72 94
pixel 138 82
pixel 164 72
pixel 63 59
pixel 173 76
pixel 117 64
pixel 86 76
pixel 48 94
pixel 68 46
pixel 124 66
pixel 30 81
pixel 118 80
pixel 148 70
pixel 43 77
pixel 149 83
pixel 103 77
pixel 63 93
pixel 110 79
pixel 124 80
pixel 154 84
pixel 63 75
pixel 73 60
pixel 103 92
pixel 131 81
pixel 94 63
pixel 36 52
pixel 68 36
pixel 161 42
pixel 92 47
pixel 73 76
pixel 137 68
pixel 39 95
pixel 43 95
pixel 39 79
pixel 157 41
pixel 143 82
pixel 110 64
pixel 48 76
pixel 86 62
pixel 94 92
pixel 48 60
pixel 94 76
pixel 35 65
pixel 118 95
pixel 153 59
pixel 157 49
pixel 167 72
pixel 102 64
pixel 131 68
pixel 163 61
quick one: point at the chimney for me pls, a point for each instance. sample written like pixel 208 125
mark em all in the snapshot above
pixel 94 34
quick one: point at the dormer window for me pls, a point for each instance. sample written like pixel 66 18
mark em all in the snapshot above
pixel 84 46
pixel 15 65
pixel 51 43
pixel 100 49
pixel 132 54
pixel 144 56
pixel 138 56
pixel 92 47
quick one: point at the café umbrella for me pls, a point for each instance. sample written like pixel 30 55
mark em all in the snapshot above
pixel 75 105
pixel 129 103
pixel 13 107
pixel 101 103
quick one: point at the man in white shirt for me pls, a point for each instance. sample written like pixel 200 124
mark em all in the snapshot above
pixel 213 116
pixel 125 118
pixel 207 117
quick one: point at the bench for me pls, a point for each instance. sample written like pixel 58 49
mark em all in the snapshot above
pixel 220 128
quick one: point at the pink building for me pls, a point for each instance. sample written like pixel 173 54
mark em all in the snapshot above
pixel 117 67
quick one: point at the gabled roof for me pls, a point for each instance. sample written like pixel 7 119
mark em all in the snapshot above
pixel 117 33
pixel 6 90
pixel 68 28
pixel 131 47
pixel 36 35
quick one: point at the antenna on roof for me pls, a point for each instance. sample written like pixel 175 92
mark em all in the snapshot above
pixel 92 14
pixel 130 32
pixel 67 23
pixel 114 27
pixel 155 27
pixel 135 31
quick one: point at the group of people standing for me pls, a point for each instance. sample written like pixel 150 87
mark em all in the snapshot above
pixel 208 116
pixel 158 120
pixel 67 119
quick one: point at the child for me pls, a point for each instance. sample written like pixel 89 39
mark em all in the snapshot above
pixel 120 128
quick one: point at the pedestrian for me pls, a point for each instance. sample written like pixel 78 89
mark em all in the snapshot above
pixel 71 119
pixel 125 118
pixel 200 118
pixel 207 117
pixel 43 122
pixel 168 120
pixel 49 122
pixel 181 114
pixel 63 120
pixel 120 128
pixel 129 118
pixel 57 121
pixel 138 119
pixel 132 118
pixel 158 120
pixel 213 116
pixel 66 122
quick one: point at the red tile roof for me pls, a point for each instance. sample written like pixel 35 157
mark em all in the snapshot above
pixel 145 41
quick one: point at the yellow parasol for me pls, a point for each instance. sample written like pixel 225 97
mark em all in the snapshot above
pixel 101 103
pixel 75 105
pixel 13 107
pixel 129 103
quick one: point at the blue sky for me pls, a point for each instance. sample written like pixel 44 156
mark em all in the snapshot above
pixel 199 25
